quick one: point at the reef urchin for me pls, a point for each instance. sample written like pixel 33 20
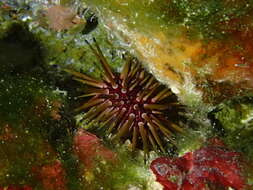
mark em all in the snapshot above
pixel 132 104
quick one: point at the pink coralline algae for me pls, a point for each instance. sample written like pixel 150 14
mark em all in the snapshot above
pixel 213 166
pixel 89 148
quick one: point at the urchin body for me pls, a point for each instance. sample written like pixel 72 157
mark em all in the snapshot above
pixel 131 104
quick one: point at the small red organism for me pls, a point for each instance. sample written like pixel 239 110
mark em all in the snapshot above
pixel 212 164
pixel 89 148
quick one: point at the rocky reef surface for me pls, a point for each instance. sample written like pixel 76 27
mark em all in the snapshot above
pixel 188 100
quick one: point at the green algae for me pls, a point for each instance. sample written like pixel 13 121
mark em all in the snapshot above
pixel 207 18
pixel 17 94
pixel 26 107
pixel 142 15
pixel 66 48
pixel 40 139
pixel 39 134
pixel 142 23
pixel 72 52
pixel 236 117
pixel 236 114
pixel 122 174
pixel 25 89
pixel 20 154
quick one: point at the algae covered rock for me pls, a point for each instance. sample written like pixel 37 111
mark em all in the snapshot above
pixel 201 50
pixel 235 116
pixel 186 44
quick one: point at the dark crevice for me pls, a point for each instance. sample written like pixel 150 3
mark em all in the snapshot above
pixel 20 52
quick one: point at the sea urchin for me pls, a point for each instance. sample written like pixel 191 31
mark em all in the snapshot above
pixel 132 104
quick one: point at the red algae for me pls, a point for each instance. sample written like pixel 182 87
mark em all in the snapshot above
pixel 52 176
pixel 212 165
pixel 89 149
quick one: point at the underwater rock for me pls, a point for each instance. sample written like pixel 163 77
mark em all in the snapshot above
pixel 196 67
pixel 236 119
pixel 213 165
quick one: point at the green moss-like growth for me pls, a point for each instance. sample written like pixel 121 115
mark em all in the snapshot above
pixel 22 150
pixel 144 15
pixel 120 174
pixel 17 95
pixel 30 51
pixel 208 18
pixel 64 49
pixel 236 116
pixel 130 173
pixel 28 125
pixel 35 129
